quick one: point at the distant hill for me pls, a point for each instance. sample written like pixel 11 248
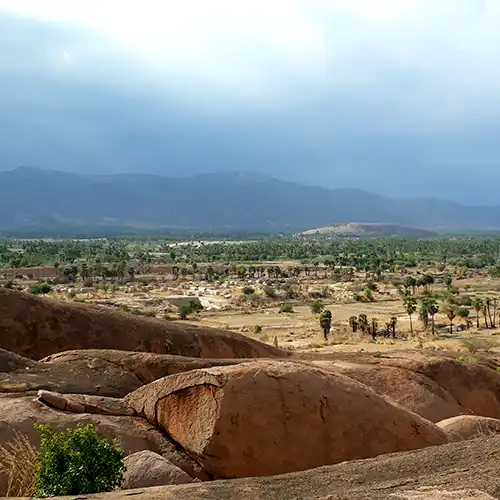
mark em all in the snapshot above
pixel 32 198
pixel 371 229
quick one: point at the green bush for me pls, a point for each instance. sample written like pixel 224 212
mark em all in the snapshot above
pixel 286 308
pixel 76 462
pixel 40 288
pixel 317 306
pixel 269 291
pixel 185 310
pixel 248 290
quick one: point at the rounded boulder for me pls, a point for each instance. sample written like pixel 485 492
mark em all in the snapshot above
pixel 265 417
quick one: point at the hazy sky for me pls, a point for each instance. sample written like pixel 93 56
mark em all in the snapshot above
pixel 394 96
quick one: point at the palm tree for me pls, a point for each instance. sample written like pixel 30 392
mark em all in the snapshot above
pixel 464 313
pixel 451 314
pixel 394 322
pixel 424 312
pixel 432 309
pixel 410 304
pixel 353 323
pixel 363 323
pixel 374 328
pixel 478 306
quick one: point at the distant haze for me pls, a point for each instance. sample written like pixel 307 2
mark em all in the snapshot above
pixel 397 97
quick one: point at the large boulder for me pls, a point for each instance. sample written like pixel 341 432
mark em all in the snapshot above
pixel 53 326
pixel 82 376
pixel 144 366
pixel 147 468
pixel 475 388
pixel 264 418
pixel 469 427
pixel 407 388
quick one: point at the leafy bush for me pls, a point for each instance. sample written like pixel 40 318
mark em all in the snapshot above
pixel 269 291
pixel 286 307
pixel 40 288
pixel 317 306
pixel 193 306
pixel 76 462
pixel 248 290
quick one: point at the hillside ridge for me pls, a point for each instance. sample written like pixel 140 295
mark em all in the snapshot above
pixel 33 198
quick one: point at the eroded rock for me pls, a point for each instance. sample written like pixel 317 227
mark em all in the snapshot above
pixel 265 418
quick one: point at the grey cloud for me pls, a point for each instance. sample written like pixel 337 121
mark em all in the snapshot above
pixel 368 121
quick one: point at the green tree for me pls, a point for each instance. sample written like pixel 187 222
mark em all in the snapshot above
pixel 424 312
pixel 432 309
pixel 451 314
pixel 478 307
pixel 463 313
pixel 410 304
pixel 410 284
pixel 325 322
pixel 448 281
pixel 76 462
pixel 317 306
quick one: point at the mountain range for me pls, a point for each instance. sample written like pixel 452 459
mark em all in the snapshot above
pixel 47 199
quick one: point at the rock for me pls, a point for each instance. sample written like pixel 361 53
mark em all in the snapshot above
pixel 474 387
pixel 78 403
pixel 146 468
pixel 145 367
pixel 265 418
pixel 411 390
pixel 469 427
pixel 94 376
pixel 465 470
pixel 53 326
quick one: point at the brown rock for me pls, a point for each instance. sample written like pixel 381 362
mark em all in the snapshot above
pixel 411 390
pixel 79 403
pixel 145 366
pixel 147 468
pixel 465 470
pixel 474 387
pixel 469 427
pixel 52 327
pixel 87 376
pixel 266 418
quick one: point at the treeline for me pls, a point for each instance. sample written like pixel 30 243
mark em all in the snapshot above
pixel 374 255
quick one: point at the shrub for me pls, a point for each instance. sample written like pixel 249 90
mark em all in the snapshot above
pixel 248 290
pixel 286 307
pixel 317 306
pixel 193 306
pixel 257 329
pixel 269 291
pixel 40 288
pixel 76 462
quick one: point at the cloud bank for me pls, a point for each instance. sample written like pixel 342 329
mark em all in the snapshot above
pixel 396 96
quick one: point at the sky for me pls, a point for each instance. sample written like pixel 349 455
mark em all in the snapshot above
pixel 399 97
